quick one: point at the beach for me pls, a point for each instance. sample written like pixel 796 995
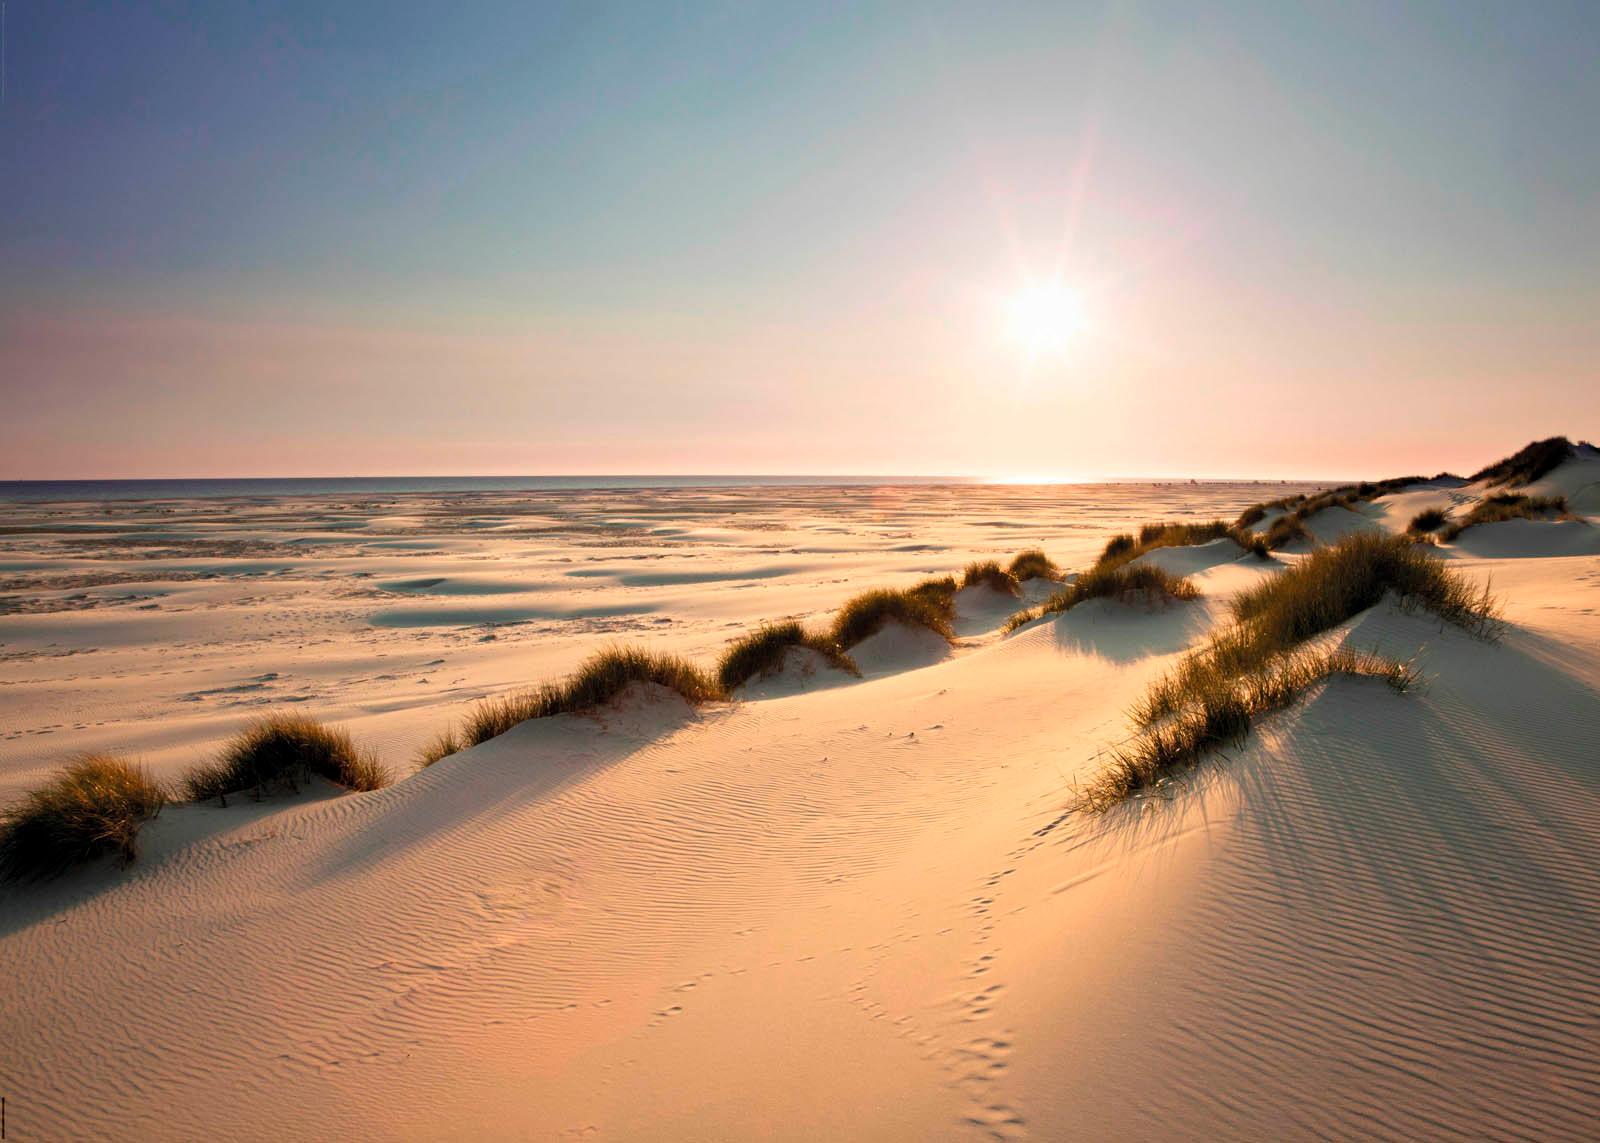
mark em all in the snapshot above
pixel 826 906
pixel 390 613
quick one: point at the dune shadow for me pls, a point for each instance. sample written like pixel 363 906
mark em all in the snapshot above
pixel 1125 633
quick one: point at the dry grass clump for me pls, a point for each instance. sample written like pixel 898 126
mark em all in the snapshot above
pixel 1297 509
pixel 1506 506
pixel 1220 714
pixel 601 678
pixel 441 745
pixel 1317 594
pixel 282 751
pixel 94 807
pixel 1123 582
pixel 1258 665
pixel 1428 520
pixel 1126 548
pixel 1528 463
pixel 929 604
pixel 1284 531
pixel 992 575
pixel 1253 542
pixel 1033 564
pixel 762 652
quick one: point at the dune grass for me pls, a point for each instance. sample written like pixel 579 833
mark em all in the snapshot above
pixel 1259 664
pixel 1221 714
pixel 283 751
pixel 929 604
pixel 1528 463
pixel 1127 547
pixel 1290 526
pixel 1284 531
pixel 762 652
pixel 94 807
pixel 599 680
pixel 1428 520
pixel 990 574
pixel 1506 506
pixel 1033 564
pixel 441 745
pixel 1323 590
pixel 1121 582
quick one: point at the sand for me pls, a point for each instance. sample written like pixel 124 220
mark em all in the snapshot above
pixel 836 908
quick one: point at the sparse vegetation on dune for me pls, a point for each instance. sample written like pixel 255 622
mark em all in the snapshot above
pixel 1428 520
pixel 1121 582
pixel 441 745
pixel 1258 664
pixel 762 652
pixel 1125 548
pixel 1506 506
pixel 1221 714
pixel 1033 564
pixel 282 751
pixel 93 808
pixel 1290 526
pixel 990 574
pixel 1528 463
pixel 929 604
pixel 1284 531
pixel 600 679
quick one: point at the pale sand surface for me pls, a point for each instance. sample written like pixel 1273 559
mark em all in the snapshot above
pixel 828 911
pixel 157 627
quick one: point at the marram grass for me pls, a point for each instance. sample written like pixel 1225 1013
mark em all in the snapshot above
pixel 93 808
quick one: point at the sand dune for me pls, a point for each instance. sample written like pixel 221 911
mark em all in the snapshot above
pixel 851 908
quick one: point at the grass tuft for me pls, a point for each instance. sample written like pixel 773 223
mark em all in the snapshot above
pixel 1528 463
pixel 94 807
pixel 929 604
pixel 1124 583
pixel 442 745
pixel 282 751
pixel 1126 548
pixel 1289 527
pixel 992 575
pixel 1221 713
pixel 1428 520
pixel 1506 506
pixel 761 653
pixel 1317 594
pixel 600 679
pixel 1033 564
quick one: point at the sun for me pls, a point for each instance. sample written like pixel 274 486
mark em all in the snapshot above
pixel 1045 319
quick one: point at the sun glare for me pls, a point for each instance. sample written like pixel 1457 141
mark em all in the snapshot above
pixel 1045 319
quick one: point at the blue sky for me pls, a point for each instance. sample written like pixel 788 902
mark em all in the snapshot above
pixel 297 238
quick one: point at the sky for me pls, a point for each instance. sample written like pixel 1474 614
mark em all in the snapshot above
pixel 317 239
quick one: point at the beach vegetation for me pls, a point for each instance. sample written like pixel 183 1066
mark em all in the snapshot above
pixel 1528 463
pixel 1428 520
pixel 93 808
pixel 989 573
pixel 1220 714
pixel 282 752
pixel 1033 564
pixel 441 745
pixel 762 652
pixel 599 680
pixel 1506 506
pixel 1122 582
pixel 929 604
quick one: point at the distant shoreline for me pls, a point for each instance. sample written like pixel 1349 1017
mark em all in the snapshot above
pixel 178 488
